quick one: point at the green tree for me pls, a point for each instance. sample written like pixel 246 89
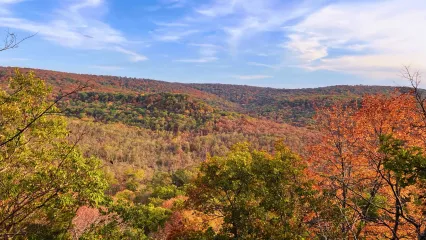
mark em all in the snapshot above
pixel 258 195
pixel 407 163
pixel 44 178
pixel 129 221
pixel 405 168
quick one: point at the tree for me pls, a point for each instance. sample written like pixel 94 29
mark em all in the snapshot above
pixel 404 171
pixel 44 177
pixel 337 166
pixel 258 195
pixel 126 220
pixel 371 196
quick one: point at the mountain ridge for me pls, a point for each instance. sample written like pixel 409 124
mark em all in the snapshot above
pixel 2 68
pixel 293 106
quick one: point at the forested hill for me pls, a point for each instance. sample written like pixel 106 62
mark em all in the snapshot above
pixel 133 158
pixel 293 106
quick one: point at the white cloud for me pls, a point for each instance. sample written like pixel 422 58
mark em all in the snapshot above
pixel 10 1
pixel 168 4
pixel 263 65
pixel 174 3
pixel 172 35
pixel 207 52
pixel 134 57
pixel 218 8
pixel 207 49
pixel 4 4
pixel 308 48
pixel 372 39
pixel 198 60
pixel 206 45
pixel 250 18
pixel 262 54
pixel 71 28
pixel 252 77
pixel 85 4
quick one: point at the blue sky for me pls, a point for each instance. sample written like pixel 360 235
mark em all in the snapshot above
pixel 275 43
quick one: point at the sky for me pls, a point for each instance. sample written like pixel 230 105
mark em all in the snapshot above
pixel 269 43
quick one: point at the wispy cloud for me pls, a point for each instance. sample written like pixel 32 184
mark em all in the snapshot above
pixel 198 60
pixel 71 28
pixel 206 45
pixel 134 57
pixel 166 4
pixel 171 24
pixel 262 54
pixel 85 4
pixel 206 49
pixel 307 48
pixel 252 77
pixel 10 1
pixel 249 18
pixel 167 35
pixel 366 38
pixel 4 4
pixel 263 65
pixel 218 8
pixel 372 39
pixel 174 3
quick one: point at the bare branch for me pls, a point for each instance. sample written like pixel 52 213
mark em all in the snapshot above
pixel 414 77
pixel 11 41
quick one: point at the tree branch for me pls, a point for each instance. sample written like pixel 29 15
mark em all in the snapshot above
pixel 44 112
pixel 11 41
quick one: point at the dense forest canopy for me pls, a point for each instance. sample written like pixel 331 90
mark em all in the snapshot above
pixel 292 106
pixel 102 157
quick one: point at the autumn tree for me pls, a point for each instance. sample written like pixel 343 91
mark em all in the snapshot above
pixel 44 177
pixel 258 195
pixel 126 220
pixel 405 169
pixel 352 166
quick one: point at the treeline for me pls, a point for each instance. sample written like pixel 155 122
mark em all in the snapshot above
pixel 61 81
pixel 293 106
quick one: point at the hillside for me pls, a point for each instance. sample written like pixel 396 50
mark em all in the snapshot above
pixel 112 84
pixel 158 154
pixel 292 106
pixel 184 123
pixel 181 123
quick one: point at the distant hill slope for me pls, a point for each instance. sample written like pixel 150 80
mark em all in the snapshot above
pixel 161 125
pixel 113 84
pixel 293 106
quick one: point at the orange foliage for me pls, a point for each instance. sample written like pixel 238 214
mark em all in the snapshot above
pixel 84 218
pixel 185 221
pixel 348 167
